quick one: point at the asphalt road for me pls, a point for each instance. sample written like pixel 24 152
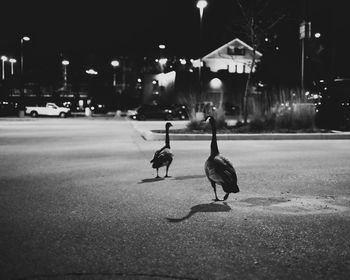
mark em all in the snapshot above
pixel 78 200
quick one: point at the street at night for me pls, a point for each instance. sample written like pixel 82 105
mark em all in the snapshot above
pixel 79 200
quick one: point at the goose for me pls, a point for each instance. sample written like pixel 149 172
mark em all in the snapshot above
pixel 163 157
pixel 218 169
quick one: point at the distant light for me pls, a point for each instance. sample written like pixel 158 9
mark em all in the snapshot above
pixel 154 82
pixel 317 35
pixel 25 38
pixel 182 61
pixel 12 60
pixel 139 80
pixel 215 83
pixel 162 46
pixel 307 93
pixel 163 61
pixel 277 48
pixel 115 63
pixel 201 4
pixel 65 62
pixel 321 81
pixel 4 58
pixel 91 72
pixel 266 39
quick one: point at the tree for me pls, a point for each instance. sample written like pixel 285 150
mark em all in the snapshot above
pixel 257 22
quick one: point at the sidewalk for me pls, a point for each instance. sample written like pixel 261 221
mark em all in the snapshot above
pixel 145 130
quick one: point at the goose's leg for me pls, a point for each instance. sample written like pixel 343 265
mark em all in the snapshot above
pixel 226 196
pixel 166 172
pixel 214 187
pixel 157 173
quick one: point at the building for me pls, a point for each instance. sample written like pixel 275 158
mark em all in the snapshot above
pixel 223 74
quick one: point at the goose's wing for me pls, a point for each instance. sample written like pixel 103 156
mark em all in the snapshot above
pixel 220 170
pixel 162 157
pixel 157 153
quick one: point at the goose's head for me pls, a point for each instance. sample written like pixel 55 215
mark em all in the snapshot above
pixel 168 124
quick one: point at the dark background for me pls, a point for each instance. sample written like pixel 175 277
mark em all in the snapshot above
pixel 91 33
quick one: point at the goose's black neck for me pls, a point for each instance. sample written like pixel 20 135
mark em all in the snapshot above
pixel 214 150
pixel 167 139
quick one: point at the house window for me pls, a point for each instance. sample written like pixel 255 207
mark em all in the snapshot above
pixel 235 50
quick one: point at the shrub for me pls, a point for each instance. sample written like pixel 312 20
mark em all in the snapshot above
pixel 195 124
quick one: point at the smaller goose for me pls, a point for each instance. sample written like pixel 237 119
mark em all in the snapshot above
pixel 218 169
pixel 163 157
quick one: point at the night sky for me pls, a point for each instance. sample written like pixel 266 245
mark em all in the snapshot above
pixel 91 31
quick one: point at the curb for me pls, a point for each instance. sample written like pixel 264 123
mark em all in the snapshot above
pixel 151 136
pixel 154 136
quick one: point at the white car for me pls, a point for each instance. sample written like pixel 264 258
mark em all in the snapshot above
pixel 51 109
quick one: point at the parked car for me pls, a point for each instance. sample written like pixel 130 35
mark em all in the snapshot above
pixel 98 108
pixel 333 106
pixel 51 109
pixel 153 112
pixel 8 108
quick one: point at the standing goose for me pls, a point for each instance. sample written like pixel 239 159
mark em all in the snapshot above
pixel 163 157
pixel 218 169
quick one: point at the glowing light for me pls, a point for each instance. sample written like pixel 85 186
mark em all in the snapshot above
pixel 91 72
pixel 4 58
pixel 182 61
pixel 163 61
pixel 317 35
pixel 115 63
pixel 201 4
pixel 65 62
pixel 215 83
pixel 139 80
pixel 12 60
pixel 25 38
pixel 161 46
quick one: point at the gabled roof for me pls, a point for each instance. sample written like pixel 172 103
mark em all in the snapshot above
pixel 230 43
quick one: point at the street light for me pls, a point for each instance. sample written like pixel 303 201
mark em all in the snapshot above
pixel 115 64
pixel 3 59
pixel 12 61
pixel 91 72
pixel 201 4
pixel 21 105
pixel 23 39
pixel 65 63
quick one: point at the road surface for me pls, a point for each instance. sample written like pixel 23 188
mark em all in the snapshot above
pixel 78 200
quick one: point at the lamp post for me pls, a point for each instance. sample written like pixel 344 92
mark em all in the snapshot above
pixel 21 105
pixel 201 4
pixel 23 39
pixel 115 64
pixel 12 61
pixel 65 63
pixel 3 59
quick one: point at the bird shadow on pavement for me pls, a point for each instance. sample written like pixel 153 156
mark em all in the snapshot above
pixel 202 208
pixel 186 177
pixel 150 180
